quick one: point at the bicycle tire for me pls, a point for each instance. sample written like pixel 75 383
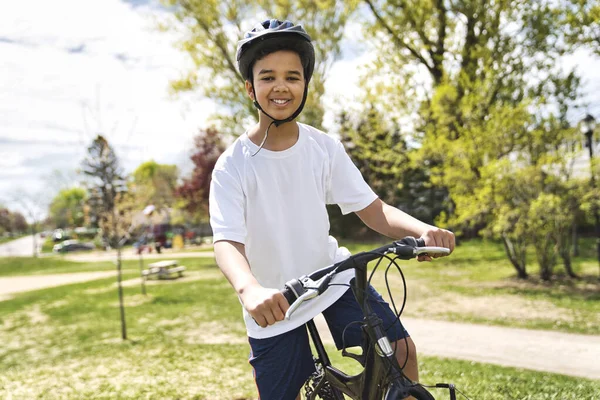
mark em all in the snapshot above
pixel 420 393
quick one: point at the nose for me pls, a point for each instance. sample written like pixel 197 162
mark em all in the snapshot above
pixel 280 86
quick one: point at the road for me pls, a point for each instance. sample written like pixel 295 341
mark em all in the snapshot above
pixel 22 247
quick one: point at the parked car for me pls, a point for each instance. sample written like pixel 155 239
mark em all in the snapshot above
pixel 72 245
pixel 59 235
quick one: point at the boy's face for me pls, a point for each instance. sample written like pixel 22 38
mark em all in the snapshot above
pixel 278 83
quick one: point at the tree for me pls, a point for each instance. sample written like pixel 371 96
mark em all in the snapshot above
pixel 155 183
pixel 378 148
pixel 12 222
pixel 581 24
pixel 211 30
pixel 479 83
pixel 194 190
pixel 19 223
pixel 67 208
pixel 106 181
pixel 107 187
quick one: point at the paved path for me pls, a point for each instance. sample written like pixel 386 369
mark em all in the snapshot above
pixel 22 247
pixel 16 284
pixel 563 353
pixel 568 354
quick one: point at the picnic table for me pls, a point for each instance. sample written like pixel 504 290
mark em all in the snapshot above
pixel 163 270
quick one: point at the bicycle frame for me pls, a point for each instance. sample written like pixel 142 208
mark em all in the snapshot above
pixel 378 358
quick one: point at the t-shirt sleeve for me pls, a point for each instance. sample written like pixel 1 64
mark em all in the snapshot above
pixel 226 206
pixel 347 188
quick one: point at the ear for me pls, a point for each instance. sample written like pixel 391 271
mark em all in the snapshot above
pixel 249 90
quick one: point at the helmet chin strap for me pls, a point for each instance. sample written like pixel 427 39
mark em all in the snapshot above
pixel 278 122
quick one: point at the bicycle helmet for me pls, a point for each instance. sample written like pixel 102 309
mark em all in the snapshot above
pixel 271 36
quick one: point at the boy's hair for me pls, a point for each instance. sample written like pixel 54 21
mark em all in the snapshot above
pixel 271 36
pixel 272 46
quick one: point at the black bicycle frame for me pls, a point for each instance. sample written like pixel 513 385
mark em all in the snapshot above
pixel 379 364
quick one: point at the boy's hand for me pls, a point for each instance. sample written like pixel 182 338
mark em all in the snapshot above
pixel 266 306
pixel 439 238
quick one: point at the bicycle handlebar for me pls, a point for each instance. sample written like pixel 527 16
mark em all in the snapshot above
pixel 307 287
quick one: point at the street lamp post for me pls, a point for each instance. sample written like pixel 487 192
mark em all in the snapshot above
pixel 587 127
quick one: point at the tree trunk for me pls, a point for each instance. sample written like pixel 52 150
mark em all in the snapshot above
pixel 566 257
pixel 564 248
pixel 517 260
pixel 575 243
pixel 546 256
pixel 545 272
pixel 116 242
pixel 34 233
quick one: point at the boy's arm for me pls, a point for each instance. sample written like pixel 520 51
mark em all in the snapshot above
pixel 396 224
pixel 265 305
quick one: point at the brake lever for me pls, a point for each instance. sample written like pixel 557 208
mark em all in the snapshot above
pixel 313 289
pixel 309 294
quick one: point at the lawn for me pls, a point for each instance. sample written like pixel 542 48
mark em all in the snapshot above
pixel 58 264
pixel 185 341
pixel 478 284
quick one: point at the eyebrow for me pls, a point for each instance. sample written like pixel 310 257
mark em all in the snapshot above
pixel 269 71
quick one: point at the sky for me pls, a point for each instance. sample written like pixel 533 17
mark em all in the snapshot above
pixel 70 69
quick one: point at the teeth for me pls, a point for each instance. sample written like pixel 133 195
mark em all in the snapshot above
pixel 278 101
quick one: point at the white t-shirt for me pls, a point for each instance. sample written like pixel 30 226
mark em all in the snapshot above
pixel 274 204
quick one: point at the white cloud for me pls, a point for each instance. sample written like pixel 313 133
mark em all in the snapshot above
pixel 73 68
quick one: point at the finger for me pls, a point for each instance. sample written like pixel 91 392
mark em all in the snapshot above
pixel 434 240
pixel 278 313
pixel 423 257
pixel 269 317
pixel 260 321
pixel 447 240
pixel 283 303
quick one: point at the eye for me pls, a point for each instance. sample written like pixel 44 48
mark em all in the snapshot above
pixel 293 78
pixel 267 78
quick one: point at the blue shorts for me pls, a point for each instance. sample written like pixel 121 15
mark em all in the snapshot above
pixel 283 363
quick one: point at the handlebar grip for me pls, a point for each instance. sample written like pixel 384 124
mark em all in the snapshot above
pixel 289 295
pixel 292 290
pixel 420 242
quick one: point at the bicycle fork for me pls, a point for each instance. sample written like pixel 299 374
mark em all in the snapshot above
pixel 383 348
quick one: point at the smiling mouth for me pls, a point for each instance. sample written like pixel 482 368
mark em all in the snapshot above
pixel 280 102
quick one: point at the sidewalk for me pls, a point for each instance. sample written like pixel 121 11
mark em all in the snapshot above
pixel 16 284
pixel 562 353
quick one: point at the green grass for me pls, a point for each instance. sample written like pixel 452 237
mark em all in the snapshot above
pixel 476 284
pixel 19 266
pixel 186 340
pixel 478 272
pixel 490 382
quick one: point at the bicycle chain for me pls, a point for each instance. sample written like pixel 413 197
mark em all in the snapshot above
pixel 325 392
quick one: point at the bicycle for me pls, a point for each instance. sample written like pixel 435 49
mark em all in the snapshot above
pixel 381 376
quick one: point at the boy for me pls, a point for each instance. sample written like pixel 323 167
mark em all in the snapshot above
pixel 267 209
